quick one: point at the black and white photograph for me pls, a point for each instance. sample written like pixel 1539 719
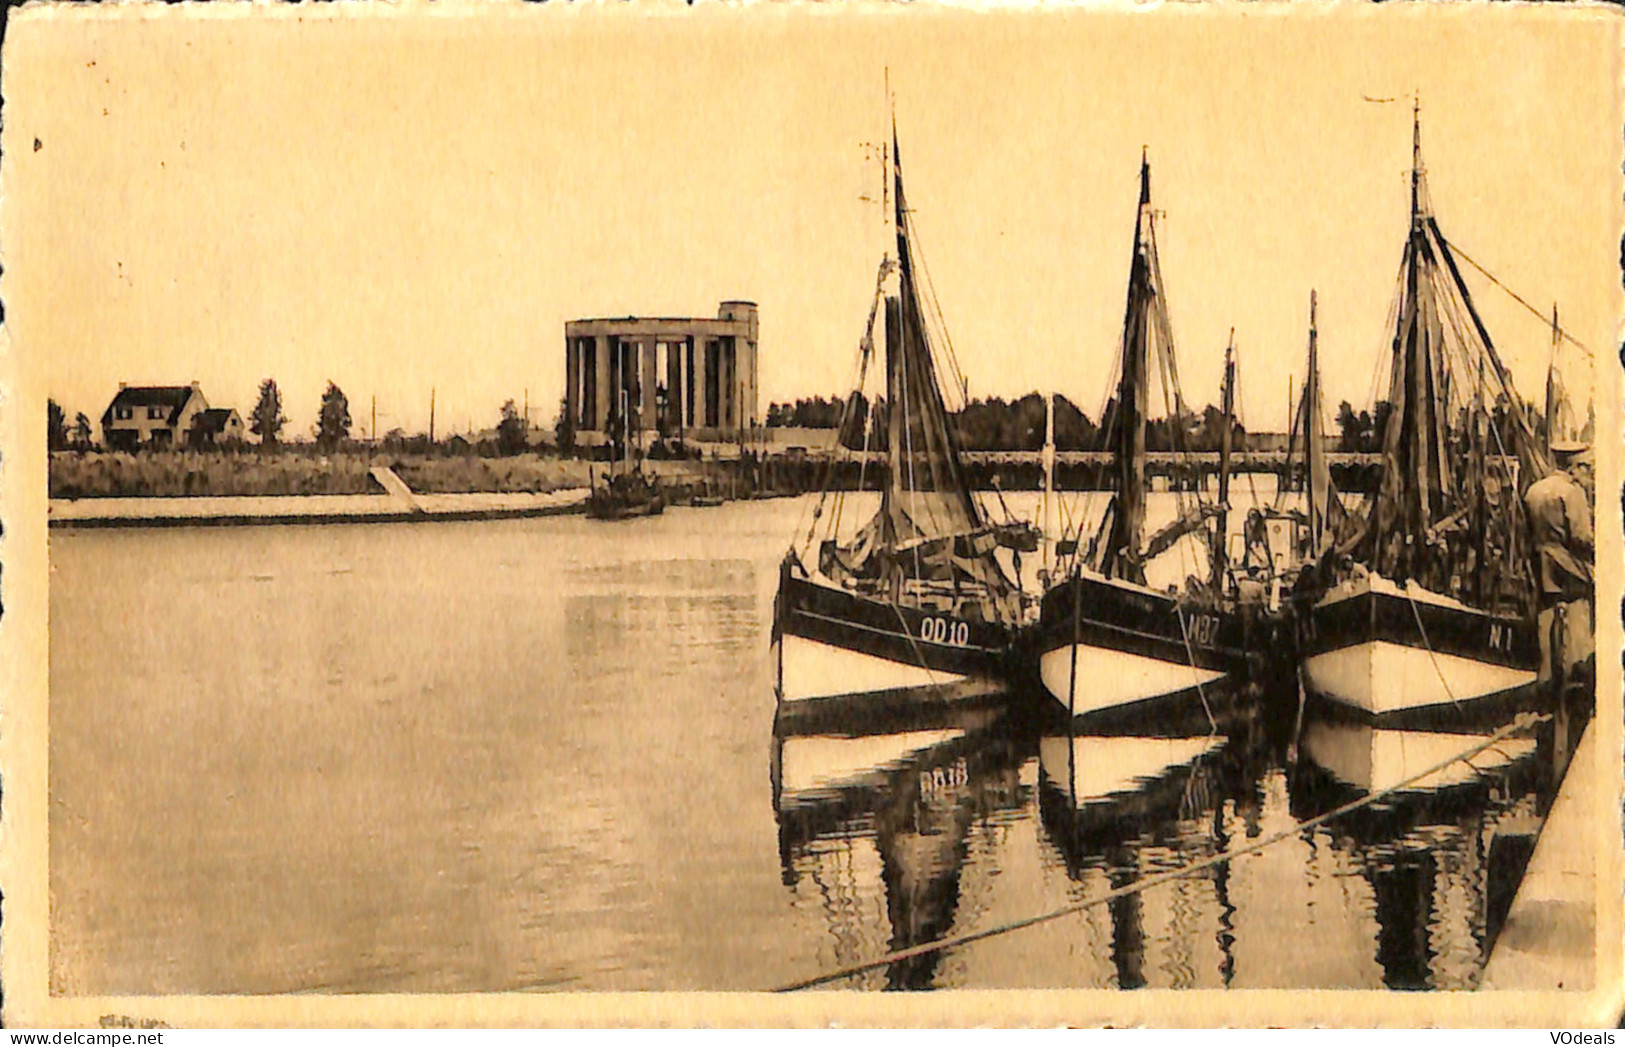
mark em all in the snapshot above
pixel 780 514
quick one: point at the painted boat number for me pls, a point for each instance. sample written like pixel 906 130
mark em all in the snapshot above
pixel 1204 630
pixel 938 780
pixel 1500 637
pixel 940 630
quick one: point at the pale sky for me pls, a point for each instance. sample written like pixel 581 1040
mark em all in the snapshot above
pixel 400 203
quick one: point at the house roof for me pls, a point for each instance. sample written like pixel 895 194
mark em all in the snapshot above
pixel 213 420
pixel 173 397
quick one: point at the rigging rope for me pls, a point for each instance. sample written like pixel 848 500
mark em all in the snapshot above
pixel 1464 256
pixel 1522 723
pixel 1196 675
pixel 1417 614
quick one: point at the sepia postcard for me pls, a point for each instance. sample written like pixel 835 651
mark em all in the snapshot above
pixel 791 514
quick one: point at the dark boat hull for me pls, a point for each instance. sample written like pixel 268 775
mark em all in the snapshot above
pixel 1381 654
pixel 611 507
pixel 834 646
pixel 1105 648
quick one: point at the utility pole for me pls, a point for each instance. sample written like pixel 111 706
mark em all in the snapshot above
pixel 375 418
pixel 431 416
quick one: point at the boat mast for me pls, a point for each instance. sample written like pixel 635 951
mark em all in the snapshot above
pixel 1477 448
pixel 1318 480
pixel 1121 556
pixel 896 416
pixel 1552 395
pixel 922 443
pixel 1412 445
pixel 1221 554
pixel 1046 511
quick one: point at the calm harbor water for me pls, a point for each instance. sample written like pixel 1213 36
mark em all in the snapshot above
pixel 539 755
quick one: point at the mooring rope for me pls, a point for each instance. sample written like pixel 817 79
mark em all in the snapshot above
pixel 1434 658
pixel 1196 673
pixel 1523 722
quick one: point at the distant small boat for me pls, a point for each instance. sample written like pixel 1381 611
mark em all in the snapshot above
pixel 625 496
pixel 629 492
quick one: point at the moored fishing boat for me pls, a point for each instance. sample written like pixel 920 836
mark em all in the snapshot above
pixel 627 491
pixel 1428 605
pixel 625 495
pixel 1107 641
pixel 915 606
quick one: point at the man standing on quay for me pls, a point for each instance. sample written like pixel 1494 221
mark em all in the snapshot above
pixel 1562 546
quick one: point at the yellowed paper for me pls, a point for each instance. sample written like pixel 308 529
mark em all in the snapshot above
pixel 521 767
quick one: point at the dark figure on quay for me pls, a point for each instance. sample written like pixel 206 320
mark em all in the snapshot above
pixel 1560 526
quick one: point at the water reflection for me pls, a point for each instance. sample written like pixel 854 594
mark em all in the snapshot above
pixel 912 792
pixel 1130 806
pixel 1428 849
pixel 559 777
pixel 880 825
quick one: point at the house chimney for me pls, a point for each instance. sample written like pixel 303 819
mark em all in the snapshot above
pixel 122 385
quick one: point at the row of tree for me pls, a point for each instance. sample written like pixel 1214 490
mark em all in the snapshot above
pixel 996 424
pixel 1363 431
pixel 59 437
pixel 267 422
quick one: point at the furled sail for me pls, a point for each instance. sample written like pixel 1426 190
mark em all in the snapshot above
pixel 929 529
pixel 1146 330
pixel 1324 511
pixel 1439 470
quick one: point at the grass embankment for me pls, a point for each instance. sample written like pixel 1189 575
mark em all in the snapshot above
pixel 181 474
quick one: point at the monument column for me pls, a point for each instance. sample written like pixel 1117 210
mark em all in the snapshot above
pixel 730 374
pixel 703 380
pixel 603 391
pixel 572 381
pixel 688 382
pixel 648 376
pixel 674 387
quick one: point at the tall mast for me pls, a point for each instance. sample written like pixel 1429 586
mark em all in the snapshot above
pixel 1552 394
pixel 1317 479
pixel 1221 553
pixel 1046 511
pixel 1477 445
pixel 1122 552
pixel 923 440
pixel 1409 440
pixel 896 416
pixel 1416 160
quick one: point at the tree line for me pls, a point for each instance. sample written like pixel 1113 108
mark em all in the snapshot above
pixel 996 424
pixel 1362 432
pixel 267 422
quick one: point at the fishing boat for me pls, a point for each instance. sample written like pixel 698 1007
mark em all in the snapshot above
pixel 1283 543
pixel 625 495
pixel 1106 640
pixel 627 491
pixel 916 605
pixel 1428 605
